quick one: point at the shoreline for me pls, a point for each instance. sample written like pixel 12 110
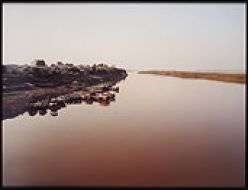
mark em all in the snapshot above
pixel 40 87
pixel 216 76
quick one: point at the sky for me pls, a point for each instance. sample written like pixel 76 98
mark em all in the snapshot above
pixel 133 36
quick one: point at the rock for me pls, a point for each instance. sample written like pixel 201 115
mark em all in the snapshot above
pixel 116 89
pixel 105 88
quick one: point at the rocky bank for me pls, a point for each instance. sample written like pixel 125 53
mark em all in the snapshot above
pixel 38 86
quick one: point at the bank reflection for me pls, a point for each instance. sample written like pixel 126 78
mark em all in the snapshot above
pixel 53 105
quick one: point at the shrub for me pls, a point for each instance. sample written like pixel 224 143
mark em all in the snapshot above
pixel 59 63
pixel 40 62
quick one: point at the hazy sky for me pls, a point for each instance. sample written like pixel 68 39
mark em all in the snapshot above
pixel 134 36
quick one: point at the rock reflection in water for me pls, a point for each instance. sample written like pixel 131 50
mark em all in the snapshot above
pixel 101 95
pixel 105 103
pixel 89 102
pixel 32 112
pixel 54 113
pixel 43 112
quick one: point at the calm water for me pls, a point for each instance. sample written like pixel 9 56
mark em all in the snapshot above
pixel 160 131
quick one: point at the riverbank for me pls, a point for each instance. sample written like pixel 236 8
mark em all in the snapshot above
pixel 27 85
pixel 217 76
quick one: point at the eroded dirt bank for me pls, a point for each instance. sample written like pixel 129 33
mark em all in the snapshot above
pixel 36 88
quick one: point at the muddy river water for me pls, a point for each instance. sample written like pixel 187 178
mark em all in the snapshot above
pixel 160 131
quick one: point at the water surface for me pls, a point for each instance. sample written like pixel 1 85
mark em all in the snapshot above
pixel 160 131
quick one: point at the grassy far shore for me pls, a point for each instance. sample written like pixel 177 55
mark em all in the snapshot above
pixel 217 76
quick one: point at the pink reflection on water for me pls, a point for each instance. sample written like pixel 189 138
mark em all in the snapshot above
pixel 159 132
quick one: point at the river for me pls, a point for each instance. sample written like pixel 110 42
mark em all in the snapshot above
pixel 160 131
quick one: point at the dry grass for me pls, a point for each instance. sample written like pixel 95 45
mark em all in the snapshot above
pixel 225 77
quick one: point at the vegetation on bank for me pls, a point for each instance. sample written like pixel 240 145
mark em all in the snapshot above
pixel 39 74
pixel 217 76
